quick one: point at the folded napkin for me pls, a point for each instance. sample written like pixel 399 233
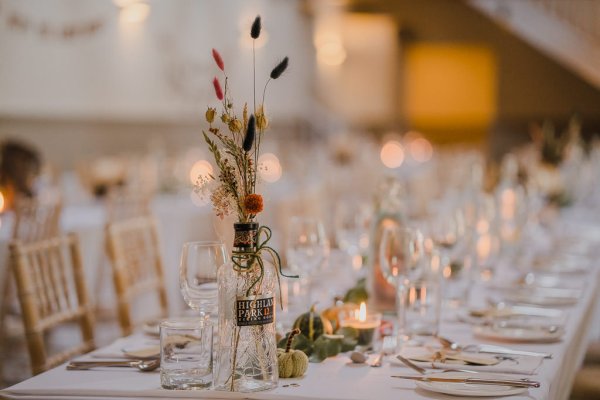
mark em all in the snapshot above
pixel 425 357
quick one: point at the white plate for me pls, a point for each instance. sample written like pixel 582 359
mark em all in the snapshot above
pixel 538 299
pixel 469 389
pixel 523 335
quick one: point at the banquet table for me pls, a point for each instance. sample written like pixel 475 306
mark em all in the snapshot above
pixel 336 377
pixel 574 232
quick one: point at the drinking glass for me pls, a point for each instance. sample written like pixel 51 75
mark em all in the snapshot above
pixel 351 224
pixel 186 353
pixel 198 275
pixel 307 251
pixel 448 232
pixel 400 251
pixel 307 247
pixel 419 299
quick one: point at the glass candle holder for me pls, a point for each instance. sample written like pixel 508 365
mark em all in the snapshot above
pixel 366 324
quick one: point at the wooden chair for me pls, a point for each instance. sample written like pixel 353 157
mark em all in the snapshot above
pixel 124 203
pixel 52 292
pixel 133 249
pixel 34 219
pixel 121 204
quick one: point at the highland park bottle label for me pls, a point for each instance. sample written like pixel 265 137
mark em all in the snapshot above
pixel 255 310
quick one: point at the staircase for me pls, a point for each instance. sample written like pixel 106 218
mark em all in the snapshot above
pixel 566 30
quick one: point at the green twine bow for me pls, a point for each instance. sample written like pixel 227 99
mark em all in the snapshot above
pixel 244 260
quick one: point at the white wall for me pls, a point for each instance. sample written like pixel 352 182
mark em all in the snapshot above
pixel 160 69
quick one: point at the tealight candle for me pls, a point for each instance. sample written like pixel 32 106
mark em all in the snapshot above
pixel 364 323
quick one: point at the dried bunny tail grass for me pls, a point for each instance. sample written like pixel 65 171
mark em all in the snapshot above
pixel 250 133
pixel 255 29
pixel 218 90
pixel 218 60
pixel 279 68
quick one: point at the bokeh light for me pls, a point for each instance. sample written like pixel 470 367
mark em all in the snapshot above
pixel 392 154
pixel 269 168
pixel 201 168
pixel 420 149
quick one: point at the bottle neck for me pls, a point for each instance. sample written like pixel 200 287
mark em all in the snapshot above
pixel 245 236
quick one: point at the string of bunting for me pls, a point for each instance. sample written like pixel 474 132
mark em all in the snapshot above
pixel 18 22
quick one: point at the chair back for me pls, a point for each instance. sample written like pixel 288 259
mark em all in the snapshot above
pixel 51 290
pixel 133 249
pixel 127 204
pixel 35 219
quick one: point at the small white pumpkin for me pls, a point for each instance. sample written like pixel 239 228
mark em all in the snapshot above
pixel 291 363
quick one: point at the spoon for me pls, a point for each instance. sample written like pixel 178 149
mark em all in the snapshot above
pixel 142 365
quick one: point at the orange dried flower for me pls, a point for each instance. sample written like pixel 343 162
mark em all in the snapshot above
pixel 253 203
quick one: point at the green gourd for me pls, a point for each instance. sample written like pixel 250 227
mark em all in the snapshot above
pixel 312 325
pixel 291 363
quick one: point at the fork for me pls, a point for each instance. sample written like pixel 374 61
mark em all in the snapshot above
pixel 389 343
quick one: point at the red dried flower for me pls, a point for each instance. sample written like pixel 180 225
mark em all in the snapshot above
pixel 218 60
pixel 218 90
pixel 253 203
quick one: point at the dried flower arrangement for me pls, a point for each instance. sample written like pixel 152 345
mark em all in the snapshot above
pixel 236 145
pixel 247 348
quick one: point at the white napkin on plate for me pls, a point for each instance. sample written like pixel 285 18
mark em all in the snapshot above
pixel 524 365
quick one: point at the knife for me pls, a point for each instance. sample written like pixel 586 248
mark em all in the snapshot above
pixel 489 348
pixel 526 383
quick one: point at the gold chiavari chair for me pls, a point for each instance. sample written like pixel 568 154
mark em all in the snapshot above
pixel 121 204
pixel 52 293
pixel 133 249
pixel 34 219
pixel 125 204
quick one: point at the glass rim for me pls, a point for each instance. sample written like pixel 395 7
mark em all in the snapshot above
pixel 185 323
pixel 204 243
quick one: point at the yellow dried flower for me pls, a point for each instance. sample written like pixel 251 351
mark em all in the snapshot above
pixel 235 125
pixel 245 114
pixel 210 115
pixel 261 121
pixel 225 118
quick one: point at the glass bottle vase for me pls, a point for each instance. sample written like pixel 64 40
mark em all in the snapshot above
pixel 246 346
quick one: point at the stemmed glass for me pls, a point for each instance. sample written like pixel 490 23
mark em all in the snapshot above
pixel 351 224
pixel 400 251
pixel 307 248
pixel 198 275
pixel 415 273
pixel 447 230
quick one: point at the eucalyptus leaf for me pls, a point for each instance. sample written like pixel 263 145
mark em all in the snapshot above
pixel 325 347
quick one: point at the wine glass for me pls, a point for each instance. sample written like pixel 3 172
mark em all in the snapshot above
pixel 307 245
pixel 198 275
pixel 351 224
pixel 447 230
pixel 307 250
pixel 400 251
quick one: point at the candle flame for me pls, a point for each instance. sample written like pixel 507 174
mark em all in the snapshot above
pixel 362 313
pixel 1 202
